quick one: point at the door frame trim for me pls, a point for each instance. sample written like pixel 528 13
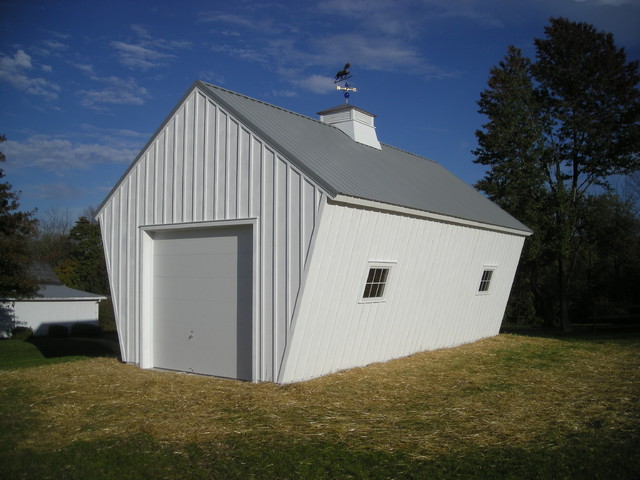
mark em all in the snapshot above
pixel 147 235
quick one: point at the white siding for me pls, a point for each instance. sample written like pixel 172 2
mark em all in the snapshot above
pixel 39 315
pixel 432 299
pixel 204 165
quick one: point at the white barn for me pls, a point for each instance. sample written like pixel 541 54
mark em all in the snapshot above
pixel 247 241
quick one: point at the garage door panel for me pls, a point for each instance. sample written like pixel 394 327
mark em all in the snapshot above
pixel 192 265
pixel 185 315
pixel 172 288
pixel 226 244
pixel 202 297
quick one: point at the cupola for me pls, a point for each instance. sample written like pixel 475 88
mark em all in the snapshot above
pixel 353 121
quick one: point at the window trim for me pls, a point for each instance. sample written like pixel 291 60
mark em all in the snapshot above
pixel 489 282
pixel 364 282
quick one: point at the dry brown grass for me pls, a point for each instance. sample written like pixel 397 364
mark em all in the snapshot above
pixel 507 390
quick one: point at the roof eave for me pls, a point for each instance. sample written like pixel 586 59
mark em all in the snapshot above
pixel 386 207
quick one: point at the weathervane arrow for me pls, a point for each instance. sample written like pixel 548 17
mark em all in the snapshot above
pixel 347 89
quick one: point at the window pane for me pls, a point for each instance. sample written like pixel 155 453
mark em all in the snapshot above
pixel 377 275
pixel 485 281
pixel 385 272
pixel 376 282
pixel 372 271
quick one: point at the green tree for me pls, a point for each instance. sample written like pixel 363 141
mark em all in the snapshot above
pixel 512 144
pixel 85 267
pixel 15 230
pixel 559 127
pixel 608 264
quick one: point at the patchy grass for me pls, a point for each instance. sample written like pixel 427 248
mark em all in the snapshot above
pixel 506 407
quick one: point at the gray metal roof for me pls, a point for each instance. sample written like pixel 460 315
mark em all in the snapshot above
pixel 44 273
pixel 60 292
pixel 342 166
pixel 51 288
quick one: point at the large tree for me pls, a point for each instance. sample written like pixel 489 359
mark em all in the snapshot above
pixel 512 144
pixel 15 230
pixel 558 127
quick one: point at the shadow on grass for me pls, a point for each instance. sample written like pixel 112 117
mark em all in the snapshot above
pixel 104 346
pixel 579 332
pixel 142 456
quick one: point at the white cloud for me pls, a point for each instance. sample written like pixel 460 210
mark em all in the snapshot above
pixel 117 91
pixel 284 93
pixel 407 19
pixel 243 53
pixel 147 52
pixel 612 3
pixel 256 23
pixel 230 19
pixel 317 84
pixel 56 191
pixel 112 135
pixel 371 34
pixel 88 69
pixel 55 45
pixel 20 60
pixel 382 54
pixel 141 31
pixel 14 70
pixel 60 154
pixel 139 57
pixel 212 77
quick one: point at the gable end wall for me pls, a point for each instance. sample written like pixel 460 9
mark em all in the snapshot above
pixel 203 165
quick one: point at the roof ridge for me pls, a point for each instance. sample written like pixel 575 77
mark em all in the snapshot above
pixel 410 153
pixel 307 117
pixel 257 100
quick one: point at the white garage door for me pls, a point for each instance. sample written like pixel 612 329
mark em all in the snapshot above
pixel 202 296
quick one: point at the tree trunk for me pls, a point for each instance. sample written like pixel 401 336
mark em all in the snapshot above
pixel 563 292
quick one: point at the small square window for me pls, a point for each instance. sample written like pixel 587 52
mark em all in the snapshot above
pixel 376 283
pixel 485 281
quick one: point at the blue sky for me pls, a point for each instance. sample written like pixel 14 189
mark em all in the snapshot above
pixel 84 84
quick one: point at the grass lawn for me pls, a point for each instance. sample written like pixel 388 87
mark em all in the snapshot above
pixel 19 354
pixel 512 406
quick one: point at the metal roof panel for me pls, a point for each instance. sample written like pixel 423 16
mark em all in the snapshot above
pixel 343 166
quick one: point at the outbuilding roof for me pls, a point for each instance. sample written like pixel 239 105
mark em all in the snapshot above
pixel 51 288
pixel 344 167
pixel 49 292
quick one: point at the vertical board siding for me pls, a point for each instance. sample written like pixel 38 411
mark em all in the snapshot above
pixel 204 165
pixel 432 298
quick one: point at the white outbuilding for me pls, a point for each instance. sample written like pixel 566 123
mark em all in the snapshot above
pixel 250 242
pixel 53 304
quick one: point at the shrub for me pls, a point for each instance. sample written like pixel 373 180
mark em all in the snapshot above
pixel 107 318
pixel 21 333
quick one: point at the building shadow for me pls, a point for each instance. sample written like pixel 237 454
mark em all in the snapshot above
pixel 103 346
pixel 579 331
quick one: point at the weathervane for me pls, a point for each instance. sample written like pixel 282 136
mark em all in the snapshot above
pixel 342 76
